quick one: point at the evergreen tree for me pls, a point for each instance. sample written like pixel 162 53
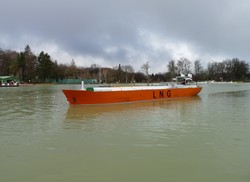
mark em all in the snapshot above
pixel 44 67
pixel 30 64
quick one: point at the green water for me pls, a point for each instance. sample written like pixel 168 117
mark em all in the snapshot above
pixel 204 138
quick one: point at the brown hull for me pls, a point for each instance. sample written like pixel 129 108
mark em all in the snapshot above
pixel 107 97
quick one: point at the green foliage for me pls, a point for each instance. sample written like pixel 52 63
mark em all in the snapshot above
pixel 44 66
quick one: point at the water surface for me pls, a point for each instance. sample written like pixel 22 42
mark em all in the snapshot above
pixel 203 138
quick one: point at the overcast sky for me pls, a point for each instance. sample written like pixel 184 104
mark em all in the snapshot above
pixel 128 32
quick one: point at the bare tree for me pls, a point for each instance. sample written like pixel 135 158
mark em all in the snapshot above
pixel 128 69
pixel 145 68
pixel 172 69
pixel 197 69
pixel 183 66
pixel 94 71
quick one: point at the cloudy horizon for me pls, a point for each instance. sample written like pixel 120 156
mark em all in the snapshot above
pixel 113 32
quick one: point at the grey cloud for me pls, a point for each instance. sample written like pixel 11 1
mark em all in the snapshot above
pixel 88 27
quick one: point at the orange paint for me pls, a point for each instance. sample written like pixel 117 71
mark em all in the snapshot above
pixel 107 97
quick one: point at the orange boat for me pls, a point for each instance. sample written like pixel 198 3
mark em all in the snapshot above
pixel 108 95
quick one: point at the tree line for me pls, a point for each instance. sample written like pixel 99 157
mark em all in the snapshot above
pixel 227 70
pixel 40 68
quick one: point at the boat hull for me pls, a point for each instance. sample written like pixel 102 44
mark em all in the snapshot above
pixel 108 97
pixel 9 85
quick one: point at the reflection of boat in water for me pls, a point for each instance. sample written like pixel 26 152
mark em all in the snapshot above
pixel 106 95
pixel 85 112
